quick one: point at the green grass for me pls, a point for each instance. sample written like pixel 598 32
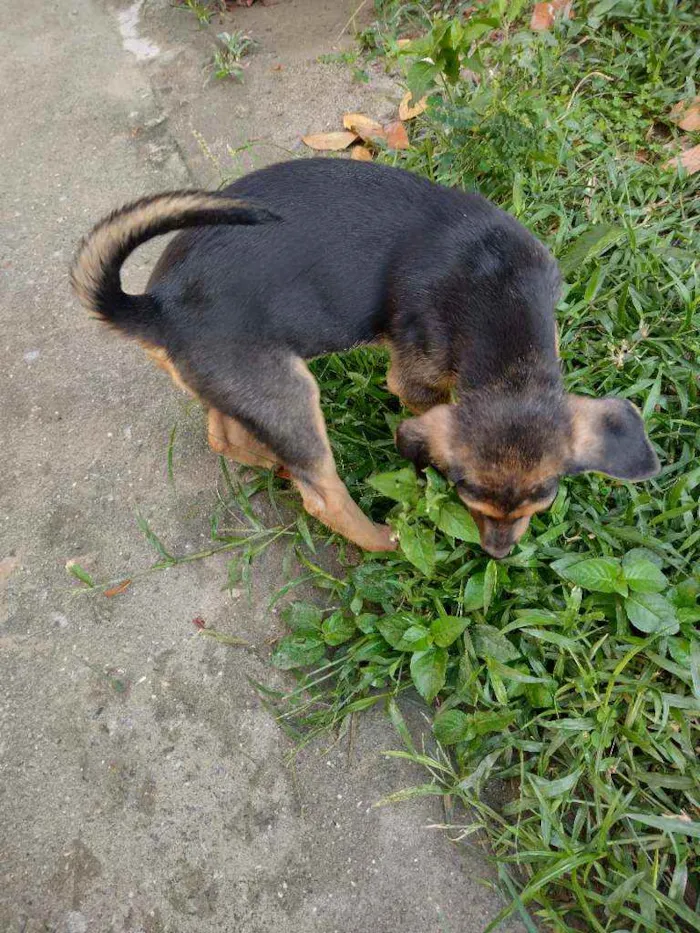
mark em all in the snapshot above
pixel 571 670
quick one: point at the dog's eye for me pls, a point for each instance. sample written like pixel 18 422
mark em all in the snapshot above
pixel 470 490
pixel 547 490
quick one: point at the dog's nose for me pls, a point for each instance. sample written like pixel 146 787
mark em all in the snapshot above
pixel 498 550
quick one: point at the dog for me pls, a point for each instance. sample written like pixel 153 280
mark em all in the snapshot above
pixel 316 256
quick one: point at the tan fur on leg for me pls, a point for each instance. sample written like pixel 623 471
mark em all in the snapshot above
pixel 324 494
pixel 227 436
pixel 327 499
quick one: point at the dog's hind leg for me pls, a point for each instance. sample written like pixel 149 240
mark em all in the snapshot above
pixel 323 493
pixel 229 437
pixel 277 399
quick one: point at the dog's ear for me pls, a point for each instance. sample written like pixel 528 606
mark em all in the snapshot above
pixel 608 437
pixel 425 440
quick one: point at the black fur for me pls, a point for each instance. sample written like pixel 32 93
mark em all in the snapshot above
pixel 462 293
pixel 362 252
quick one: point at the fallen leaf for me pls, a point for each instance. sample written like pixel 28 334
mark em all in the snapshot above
pixel 543 14
pixel 678 145
pixel 689 160
pixel 360 154
pixel 396 135
pixel 409 111
pixel 365 127
pixel 119 588
pixel 686 114
pixel 330 142
pixel 199 622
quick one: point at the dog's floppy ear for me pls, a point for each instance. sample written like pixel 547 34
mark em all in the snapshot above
pixel 424 440
pixel 608 437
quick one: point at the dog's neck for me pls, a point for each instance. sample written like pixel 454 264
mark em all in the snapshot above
pixel 529 372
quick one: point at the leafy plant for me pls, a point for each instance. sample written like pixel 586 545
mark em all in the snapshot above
pixel 571 670
pixel 234 46
pixel 203 11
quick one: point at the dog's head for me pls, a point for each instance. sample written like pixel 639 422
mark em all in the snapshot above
pixel 505 453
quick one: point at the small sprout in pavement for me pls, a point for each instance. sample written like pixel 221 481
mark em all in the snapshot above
pixel 233 46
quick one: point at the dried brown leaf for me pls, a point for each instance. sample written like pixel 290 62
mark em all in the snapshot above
pixel 396 135
pixel 119 588
pixel 360 154
pixel 409 110
pixel 544 14
pixel 365 127
pixel 330 142
pixel 689 160
pixel 686 114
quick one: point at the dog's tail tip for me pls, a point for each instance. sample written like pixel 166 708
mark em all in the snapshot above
pixel 95 271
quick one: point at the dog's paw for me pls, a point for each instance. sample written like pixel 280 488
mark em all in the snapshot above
pixel 383 539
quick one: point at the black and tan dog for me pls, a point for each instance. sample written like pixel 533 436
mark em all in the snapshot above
pixel 315 256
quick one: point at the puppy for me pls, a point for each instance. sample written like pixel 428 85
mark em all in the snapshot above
pixel 316 256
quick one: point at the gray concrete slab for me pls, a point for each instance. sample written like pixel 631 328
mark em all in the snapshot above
pixel 143 787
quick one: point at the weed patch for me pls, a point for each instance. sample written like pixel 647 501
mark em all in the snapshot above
pixel 571 669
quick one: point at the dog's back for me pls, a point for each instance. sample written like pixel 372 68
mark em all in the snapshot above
pixel 355 242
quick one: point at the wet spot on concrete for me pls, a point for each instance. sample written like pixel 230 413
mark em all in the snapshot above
pixel 128 27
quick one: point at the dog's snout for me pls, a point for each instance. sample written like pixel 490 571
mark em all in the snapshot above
pixel 496 550
pixel 499 536
pixel 497 540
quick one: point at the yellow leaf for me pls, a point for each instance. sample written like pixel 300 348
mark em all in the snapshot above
pixel 409 111
pixel 330 142
pixel 360 154
pixel 364 126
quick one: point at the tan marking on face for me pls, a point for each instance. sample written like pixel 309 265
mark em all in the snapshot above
pixel 511 473
pixel 519 527
pixel 525 510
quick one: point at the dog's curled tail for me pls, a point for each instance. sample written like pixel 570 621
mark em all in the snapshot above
pixel 95 273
